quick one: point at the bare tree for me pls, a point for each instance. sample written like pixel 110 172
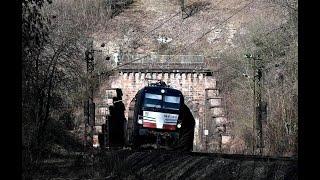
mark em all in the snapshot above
pixel 276 45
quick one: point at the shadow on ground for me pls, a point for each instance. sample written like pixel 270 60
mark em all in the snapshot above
pixel 126 164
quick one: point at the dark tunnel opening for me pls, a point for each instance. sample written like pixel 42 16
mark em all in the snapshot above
pixel 187 130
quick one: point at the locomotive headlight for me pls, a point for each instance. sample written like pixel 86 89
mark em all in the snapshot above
pixel 140 121
pixel 179 126
pixel 162 91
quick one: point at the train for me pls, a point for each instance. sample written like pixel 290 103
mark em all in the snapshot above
pixel 159 118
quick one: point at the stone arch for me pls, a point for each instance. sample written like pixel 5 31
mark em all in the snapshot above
pixel 193 86
pixel 193 106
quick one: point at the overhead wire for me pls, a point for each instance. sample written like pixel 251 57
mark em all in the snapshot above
pixel 224 21
pixel 221 23
pixel 161 24
pixel 210 21
pixel 203 35
pixel 139 37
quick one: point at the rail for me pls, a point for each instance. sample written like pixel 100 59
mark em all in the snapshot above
pixel 241 157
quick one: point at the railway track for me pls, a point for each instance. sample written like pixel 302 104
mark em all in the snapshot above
pixel 126 163
pixel 244 157
pixel 239 157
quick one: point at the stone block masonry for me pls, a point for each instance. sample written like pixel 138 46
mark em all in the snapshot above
pixel 201 96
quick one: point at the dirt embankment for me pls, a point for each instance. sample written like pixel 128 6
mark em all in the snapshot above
pixel 126 164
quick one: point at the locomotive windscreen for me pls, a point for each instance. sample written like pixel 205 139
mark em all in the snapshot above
pixel 166 115
pixel 171 102
pixel 155 101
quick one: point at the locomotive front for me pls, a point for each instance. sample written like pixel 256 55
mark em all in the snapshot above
pixel 160 108
pixel 156 116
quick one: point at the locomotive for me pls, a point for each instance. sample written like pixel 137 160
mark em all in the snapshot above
pixel 159 118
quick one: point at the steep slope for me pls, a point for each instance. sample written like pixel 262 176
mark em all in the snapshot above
pixel 210 28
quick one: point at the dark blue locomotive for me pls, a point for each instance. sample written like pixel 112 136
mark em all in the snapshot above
pixel 158 117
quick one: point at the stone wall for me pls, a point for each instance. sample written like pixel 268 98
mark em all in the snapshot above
pixel 201 96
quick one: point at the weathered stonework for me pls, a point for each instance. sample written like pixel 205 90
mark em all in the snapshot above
pixel 201 96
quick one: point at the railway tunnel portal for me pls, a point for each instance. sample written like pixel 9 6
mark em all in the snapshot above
pixel 187 73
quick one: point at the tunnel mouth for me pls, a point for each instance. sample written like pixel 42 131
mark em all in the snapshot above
pixel 187 129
